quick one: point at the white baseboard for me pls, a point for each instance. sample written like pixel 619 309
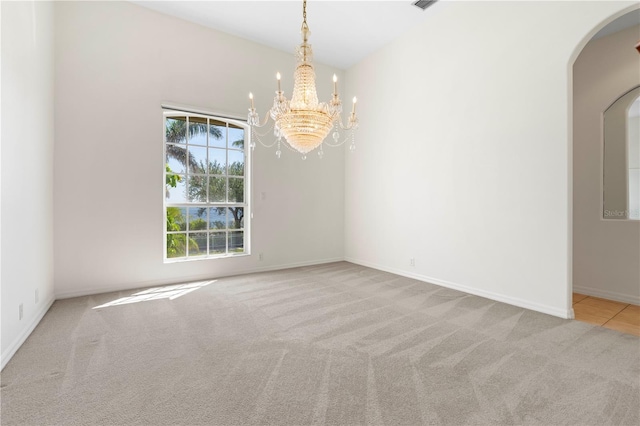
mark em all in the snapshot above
pixel 568 313
pixel 607 294
pixel 545 309
pixel 152 283
pixel 15 345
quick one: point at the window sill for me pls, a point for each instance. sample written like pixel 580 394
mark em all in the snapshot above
pixel 193 259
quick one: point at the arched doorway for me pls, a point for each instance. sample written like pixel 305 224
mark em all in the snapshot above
pixel 605 252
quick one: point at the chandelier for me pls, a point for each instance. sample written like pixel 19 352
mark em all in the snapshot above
pixel 303 122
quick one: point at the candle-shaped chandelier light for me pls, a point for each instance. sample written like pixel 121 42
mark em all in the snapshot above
pixel 303 121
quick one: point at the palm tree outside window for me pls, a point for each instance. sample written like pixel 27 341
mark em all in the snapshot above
pixel 206 186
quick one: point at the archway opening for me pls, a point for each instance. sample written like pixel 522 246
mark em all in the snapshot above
pixel 605 252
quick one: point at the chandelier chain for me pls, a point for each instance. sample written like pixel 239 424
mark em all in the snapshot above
pixel 304 11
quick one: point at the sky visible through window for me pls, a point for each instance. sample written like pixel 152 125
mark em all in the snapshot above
pixel 205 187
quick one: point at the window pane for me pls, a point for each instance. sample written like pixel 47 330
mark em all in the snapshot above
pixel 217 218
pixel 176 158
pixel 236 190
pixel 198 189
pixel 236 163
pixel 205 170
pixel 217 243
pixel 176 129
pixel 217 161
pixel 236 137
pixel 197 131
pixel 236 217
pixel 236 242
pixel 176 219
pixel 177 194
pixel 217 189
pixel 176 246
pixel 217 134
pixel 197 218
pixel 197 159
pixel 197 244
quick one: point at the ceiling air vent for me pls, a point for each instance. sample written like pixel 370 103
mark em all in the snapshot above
pixel 424 4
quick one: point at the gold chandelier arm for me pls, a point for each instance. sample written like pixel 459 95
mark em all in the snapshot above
pixel 259 125
pixel 266 118
pixel 352 124
pixel 341 124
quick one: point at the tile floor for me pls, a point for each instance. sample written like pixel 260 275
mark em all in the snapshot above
pixel 618 316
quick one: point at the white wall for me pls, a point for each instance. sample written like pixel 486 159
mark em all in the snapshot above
pixel 464 157
pixel 27 168
pixel 633 132
pixel 115 64
pixel 606 252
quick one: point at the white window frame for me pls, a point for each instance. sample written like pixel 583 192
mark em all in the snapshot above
pixel 169 112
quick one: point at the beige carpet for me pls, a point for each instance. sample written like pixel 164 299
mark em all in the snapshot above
pixel 330 344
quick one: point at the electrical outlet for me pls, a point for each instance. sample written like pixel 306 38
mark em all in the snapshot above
pixel 20 312
pixel 37 296
pixel 412 262
pixel 260 257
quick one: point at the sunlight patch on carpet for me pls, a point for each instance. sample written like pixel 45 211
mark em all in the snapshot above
pixel 170 292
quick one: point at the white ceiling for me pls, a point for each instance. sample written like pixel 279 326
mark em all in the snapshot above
pixel 342 32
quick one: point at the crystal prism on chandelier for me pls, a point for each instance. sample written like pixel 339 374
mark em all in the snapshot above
pixel 303 122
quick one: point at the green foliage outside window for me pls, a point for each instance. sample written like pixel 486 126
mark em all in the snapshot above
pixel 177 243
pixel 217 181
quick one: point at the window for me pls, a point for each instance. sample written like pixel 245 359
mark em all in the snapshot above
pixel 621 158
pixel 206 186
